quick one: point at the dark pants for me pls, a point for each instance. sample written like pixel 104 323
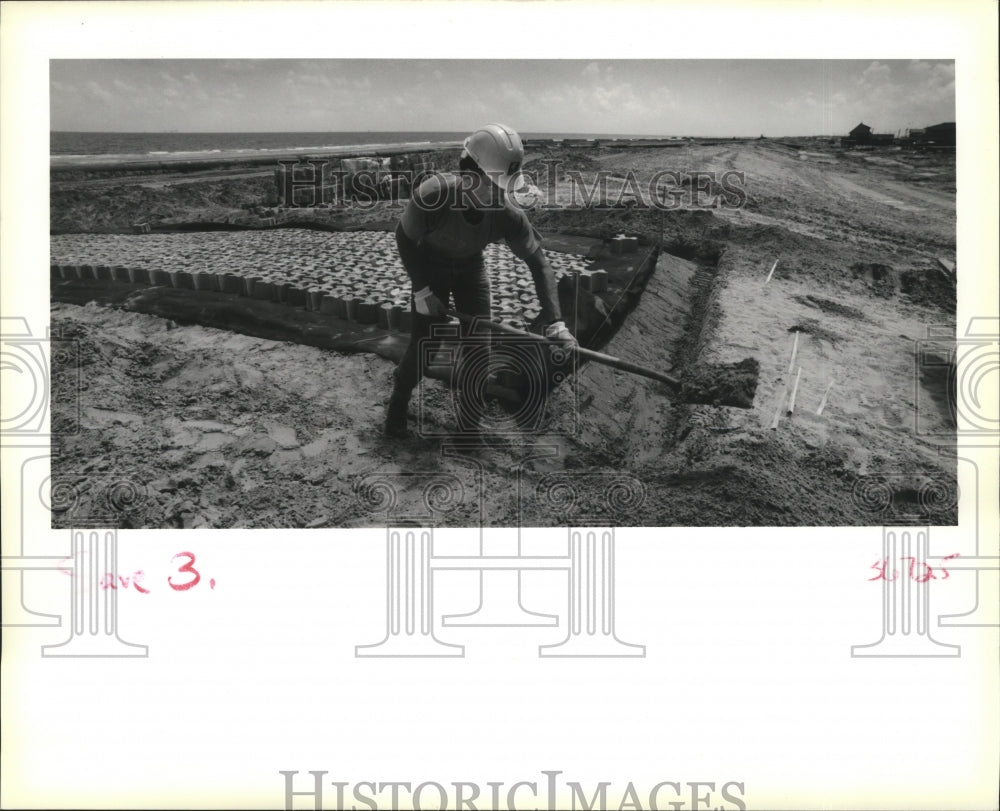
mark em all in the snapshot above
pixel 467 283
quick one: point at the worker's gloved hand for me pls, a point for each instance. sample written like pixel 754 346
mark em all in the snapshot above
pixel 557 331
pixel 428 304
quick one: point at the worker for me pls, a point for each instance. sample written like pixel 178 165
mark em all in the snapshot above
pixel 447 222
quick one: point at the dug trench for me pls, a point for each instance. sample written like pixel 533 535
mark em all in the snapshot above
pixel 628 420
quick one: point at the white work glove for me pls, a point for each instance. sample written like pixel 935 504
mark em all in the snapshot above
pixel 428 304
pixel 557 331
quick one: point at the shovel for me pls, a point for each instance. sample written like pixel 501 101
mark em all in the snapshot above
pixel 732 385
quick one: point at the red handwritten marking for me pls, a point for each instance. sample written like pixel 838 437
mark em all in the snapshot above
pixel 135 581
pixel 108 581
pixel 880 567
pixel 188 569
pixel 948 557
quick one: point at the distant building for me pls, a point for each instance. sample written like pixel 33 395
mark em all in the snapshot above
pixel 940 135
pixel 862 135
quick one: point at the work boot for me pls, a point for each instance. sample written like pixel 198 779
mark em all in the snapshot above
pixel 395 417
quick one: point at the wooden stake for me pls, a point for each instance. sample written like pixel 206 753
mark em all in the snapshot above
pixel 795 348
pixel 769 275
pixel 795 388
pixel 822 403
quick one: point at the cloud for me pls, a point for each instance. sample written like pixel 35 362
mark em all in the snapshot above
pixel 99 92
pixel 511 92
pixel 875 74
pixel 935 79
pixel 308 79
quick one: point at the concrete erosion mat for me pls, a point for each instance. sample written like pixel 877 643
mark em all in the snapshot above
pixel 232 359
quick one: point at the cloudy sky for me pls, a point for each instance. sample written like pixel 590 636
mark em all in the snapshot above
pixel 669 97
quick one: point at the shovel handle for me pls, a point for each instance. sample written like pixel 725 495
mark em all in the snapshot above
pixel 587 354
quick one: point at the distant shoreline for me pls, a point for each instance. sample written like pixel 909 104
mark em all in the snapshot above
pixel 194 160
pixel 243 157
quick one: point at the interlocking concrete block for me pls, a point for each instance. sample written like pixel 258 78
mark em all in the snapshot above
pixel 231 283
pixel 367 311
pixel 405 320
pixel 181 279
pixel 388 317
pixel 141 228
pixel 55 273
pixel 157 277
pixel 598 281
pixel 263 291
pixel 120 274
pixel 340 305
pixel 295 297
pixel 586 280
pixel 204 281
pixel 85 272
pixel 330 304
pixel 351 308
pixel 249 282
pixel 345 265
pixel 103 273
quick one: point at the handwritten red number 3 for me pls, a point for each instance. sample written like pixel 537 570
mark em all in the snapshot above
pixel 187 567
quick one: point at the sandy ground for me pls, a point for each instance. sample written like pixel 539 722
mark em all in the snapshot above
pixel 225 430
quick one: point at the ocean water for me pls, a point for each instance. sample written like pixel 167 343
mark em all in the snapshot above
pixel 172 143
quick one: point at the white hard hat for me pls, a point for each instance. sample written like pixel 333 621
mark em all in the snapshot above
pixel 499 152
